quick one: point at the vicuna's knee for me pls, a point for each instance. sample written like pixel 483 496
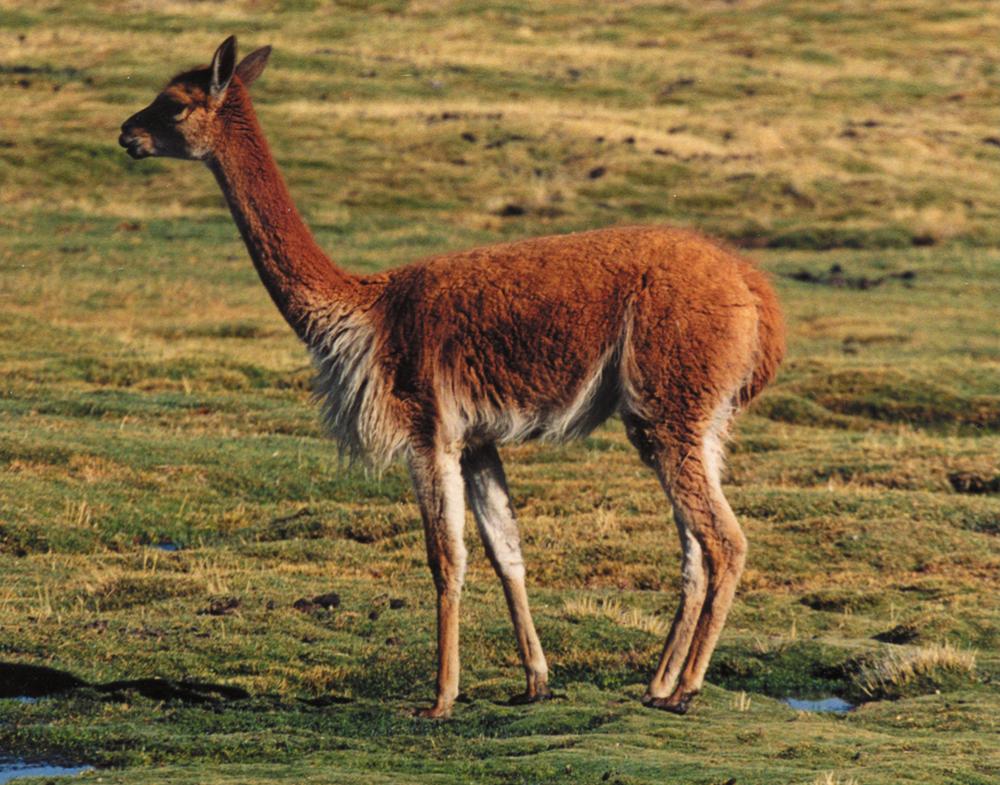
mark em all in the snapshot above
pixel 732 552
pixel 736 544
pixel 448 585
pixel 726 552
pixel 693 575
pixel 695 580
pixel 503 547
pixel 448 573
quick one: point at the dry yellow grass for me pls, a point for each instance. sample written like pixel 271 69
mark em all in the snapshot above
pixel 576 608
pixel 831 778
pixel 897 672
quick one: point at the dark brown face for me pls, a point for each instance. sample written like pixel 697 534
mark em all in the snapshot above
pixel 183 121
pixel 180 123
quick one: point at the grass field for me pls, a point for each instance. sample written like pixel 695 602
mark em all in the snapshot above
pixel 167 494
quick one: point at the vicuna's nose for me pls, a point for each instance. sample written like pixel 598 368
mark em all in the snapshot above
pixel 127 127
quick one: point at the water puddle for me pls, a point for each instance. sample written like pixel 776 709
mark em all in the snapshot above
pixel 167 546
pixel 11 770
pixel 835 705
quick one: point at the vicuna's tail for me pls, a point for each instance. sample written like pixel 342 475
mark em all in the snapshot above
pixel 770 334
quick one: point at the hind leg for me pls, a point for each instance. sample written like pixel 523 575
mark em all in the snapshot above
pixel 688 466
pixel 698 492
pixel 490 501
pixel 693 591
pixel 660 452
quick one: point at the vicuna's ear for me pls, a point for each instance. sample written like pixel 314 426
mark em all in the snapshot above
pixel 223 66
pixel 251 65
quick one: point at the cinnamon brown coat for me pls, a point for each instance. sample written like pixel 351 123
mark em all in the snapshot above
pixel 442 360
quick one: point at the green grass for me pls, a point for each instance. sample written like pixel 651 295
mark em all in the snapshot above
pixel 150 395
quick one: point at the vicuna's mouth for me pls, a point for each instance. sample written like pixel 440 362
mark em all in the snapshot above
pixel 134 147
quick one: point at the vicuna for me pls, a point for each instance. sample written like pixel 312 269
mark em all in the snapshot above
pixel 442 360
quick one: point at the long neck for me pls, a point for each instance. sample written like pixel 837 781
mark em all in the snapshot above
pixel 300 278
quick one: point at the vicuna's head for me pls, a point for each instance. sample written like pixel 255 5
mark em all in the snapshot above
pixel 187 120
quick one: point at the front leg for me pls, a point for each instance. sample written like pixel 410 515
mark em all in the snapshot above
pixel 490 501
pixel 437 479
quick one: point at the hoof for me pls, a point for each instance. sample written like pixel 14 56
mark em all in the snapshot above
pixel 432 713
pixel 673 704
pixel 524 698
